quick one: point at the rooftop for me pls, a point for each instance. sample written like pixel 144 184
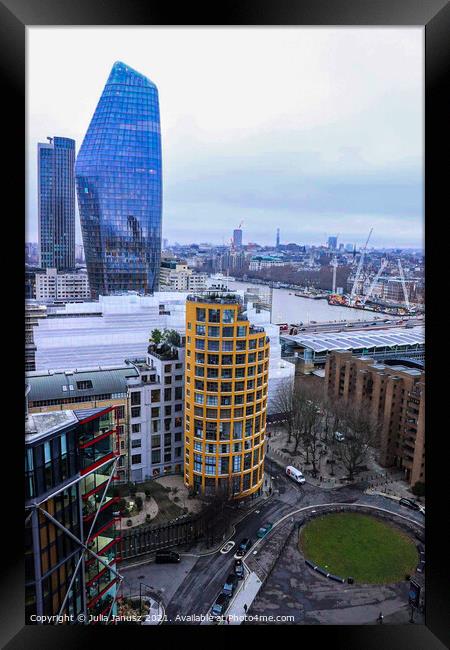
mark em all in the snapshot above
pixel 83 382
pixel 355 340
pixel 216 297
pixel 40 424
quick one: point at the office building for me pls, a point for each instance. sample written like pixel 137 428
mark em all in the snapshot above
pixel 237 238
pixel 226 386
pixel 33 314
pixel 332 243
pixel 56 203
pixel 60 285
pixel 71 525
pixel 277 245
pixel 119 187
pixel 87 388
pixel 395 396
pixel 175 275
pixel 156 412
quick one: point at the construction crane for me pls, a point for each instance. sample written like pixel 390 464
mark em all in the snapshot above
pixel 240 225
pixel 384 263
pixel 360 265
pixel 402 277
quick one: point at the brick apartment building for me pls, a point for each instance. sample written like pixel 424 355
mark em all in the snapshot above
pixel 395 395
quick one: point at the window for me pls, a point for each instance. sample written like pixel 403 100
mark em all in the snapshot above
pixel 227 346
pixel 120 412
pixel 135 411
pixel 156 442
pixel 200 329
pixel 156 456
pixel 236 463
pixel 213 330
pixel 136 443
pixel 135 428
pixel 168 379
pixel 156 396
pixel 213 345
pixel 155 426
pixel 199 344
pixel 84 385
pixel 201 314
pixel 241 330
pixel 179 392
pixel 136 459
pixel 168 410
pixel 214 315
pixel 135 398
pixel 155 412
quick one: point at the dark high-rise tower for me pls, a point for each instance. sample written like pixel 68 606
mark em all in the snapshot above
pixel 118 177
pixel 278 238
pixel 56 203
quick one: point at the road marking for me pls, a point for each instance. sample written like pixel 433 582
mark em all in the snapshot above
pixel 228 546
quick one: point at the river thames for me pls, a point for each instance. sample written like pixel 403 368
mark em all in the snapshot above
pixel 289 308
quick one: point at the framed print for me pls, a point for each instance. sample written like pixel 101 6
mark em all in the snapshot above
pixel 226 220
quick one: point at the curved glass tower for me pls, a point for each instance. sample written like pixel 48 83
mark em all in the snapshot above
pixel 118 178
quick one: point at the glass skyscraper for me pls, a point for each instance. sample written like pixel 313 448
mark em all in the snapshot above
pixel 56 203
pixel 118 178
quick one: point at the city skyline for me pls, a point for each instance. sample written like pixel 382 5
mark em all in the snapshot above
pixel 239 140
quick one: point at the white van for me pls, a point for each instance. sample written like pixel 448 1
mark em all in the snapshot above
pixel 295 474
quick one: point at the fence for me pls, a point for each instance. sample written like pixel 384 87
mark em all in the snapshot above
pixel 182 530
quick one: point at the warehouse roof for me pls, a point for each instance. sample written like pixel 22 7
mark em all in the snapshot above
pixel 356 340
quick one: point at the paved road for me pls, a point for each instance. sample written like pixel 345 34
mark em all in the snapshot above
pixel 197 590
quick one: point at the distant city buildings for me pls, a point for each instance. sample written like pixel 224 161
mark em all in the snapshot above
pixel 61 286
pixel 259 262
pixel 56 203
pixel 118 178
pixel 237 238
pixel 332 243
pixel 175 275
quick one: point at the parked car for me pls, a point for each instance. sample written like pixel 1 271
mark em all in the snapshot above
pixel 239 569
pixel 339 436
pixel 167 557
pixel 220 606
pixel 262 532
pixel 230 585
pixel 408 503
pixel 295 474
pixel 243 547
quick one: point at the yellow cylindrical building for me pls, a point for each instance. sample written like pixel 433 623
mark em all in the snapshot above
pixel 226 384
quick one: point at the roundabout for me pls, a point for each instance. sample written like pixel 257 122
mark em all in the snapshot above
pixel 370 550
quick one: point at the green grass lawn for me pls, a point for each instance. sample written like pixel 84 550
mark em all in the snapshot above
pixel 361 546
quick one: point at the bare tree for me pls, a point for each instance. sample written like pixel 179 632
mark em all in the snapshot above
pixel 283 404
pixel 360 431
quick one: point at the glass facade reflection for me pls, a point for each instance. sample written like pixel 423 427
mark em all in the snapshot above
pixel 119 186
pixel 56 203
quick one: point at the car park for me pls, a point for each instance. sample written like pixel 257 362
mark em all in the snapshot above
pixel 243 547
pixel 220 606
pixel 239 569
pixel 295 474
pixel 262 532
pixel 167 557
pixel 408 503
pixel 230 585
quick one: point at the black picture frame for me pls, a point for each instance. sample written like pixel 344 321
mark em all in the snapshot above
pixel 434 15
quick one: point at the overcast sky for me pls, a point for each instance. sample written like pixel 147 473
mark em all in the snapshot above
pixel 315 131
